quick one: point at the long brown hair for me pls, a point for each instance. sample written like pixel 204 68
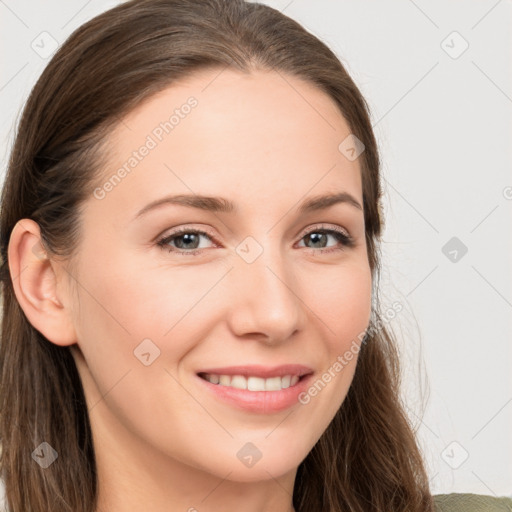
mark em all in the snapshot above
pixel 368 458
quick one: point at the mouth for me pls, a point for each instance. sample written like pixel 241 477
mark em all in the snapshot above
pixel 252 383
pixel 257 388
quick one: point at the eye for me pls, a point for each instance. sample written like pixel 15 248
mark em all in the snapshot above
pixel 320 235
pixel 186 241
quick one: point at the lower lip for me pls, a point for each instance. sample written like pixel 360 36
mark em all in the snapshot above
pixel 263 402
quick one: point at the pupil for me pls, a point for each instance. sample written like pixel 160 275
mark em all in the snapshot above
pixel 316 236
pixel 186 237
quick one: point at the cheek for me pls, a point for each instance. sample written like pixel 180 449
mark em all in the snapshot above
pixel 128 309
pixel 344 308
pixel 121 307
pixel 132 301
pixel 343 300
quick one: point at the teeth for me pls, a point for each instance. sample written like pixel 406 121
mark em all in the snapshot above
pixel 253 383
pixel 273 384
pixel 224 380
pixel 238 382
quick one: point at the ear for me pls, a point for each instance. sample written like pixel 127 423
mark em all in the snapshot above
pixel 45 304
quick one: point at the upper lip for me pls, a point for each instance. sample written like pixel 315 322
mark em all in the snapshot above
pixel 260 370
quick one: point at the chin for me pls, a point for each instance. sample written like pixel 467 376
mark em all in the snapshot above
pixel 241 468
pixel 260 472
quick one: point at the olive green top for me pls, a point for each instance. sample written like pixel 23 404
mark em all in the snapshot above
pixel 463 502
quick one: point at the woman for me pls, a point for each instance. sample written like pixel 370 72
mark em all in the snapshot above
pixel 189 239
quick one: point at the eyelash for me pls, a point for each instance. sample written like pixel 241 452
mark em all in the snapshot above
pixel 342 237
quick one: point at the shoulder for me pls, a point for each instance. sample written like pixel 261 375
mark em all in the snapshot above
pixel 465 502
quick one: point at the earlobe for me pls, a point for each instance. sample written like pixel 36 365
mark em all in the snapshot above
pixel 35 284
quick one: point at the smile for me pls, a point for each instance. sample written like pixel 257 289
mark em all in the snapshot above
pixel 256 388
pixel 252 383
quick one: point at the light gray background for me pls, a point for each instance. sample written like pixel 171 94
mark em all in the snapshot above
pixel 443 122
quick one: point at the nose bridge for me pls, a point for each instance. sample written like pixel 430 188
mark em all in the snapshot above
pixel 266 301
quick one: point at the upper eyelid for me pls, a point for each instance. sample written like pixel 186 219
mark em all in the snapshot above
pixel 326 226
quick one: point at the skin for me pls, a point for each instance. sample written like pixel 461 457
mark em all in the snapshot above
pixel 267 144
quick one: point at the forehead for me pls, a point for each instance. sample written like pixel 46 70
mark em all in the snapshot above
pixel 263 135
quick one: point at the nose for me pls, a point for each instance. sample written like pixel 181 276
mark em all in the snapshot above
pixel 265 301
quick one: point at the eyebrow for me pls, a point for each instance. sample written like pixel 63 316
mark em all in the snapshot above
pixel 221 204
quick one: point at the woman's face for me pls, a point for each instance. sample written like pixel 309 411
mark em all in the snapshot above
pixel 270 284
